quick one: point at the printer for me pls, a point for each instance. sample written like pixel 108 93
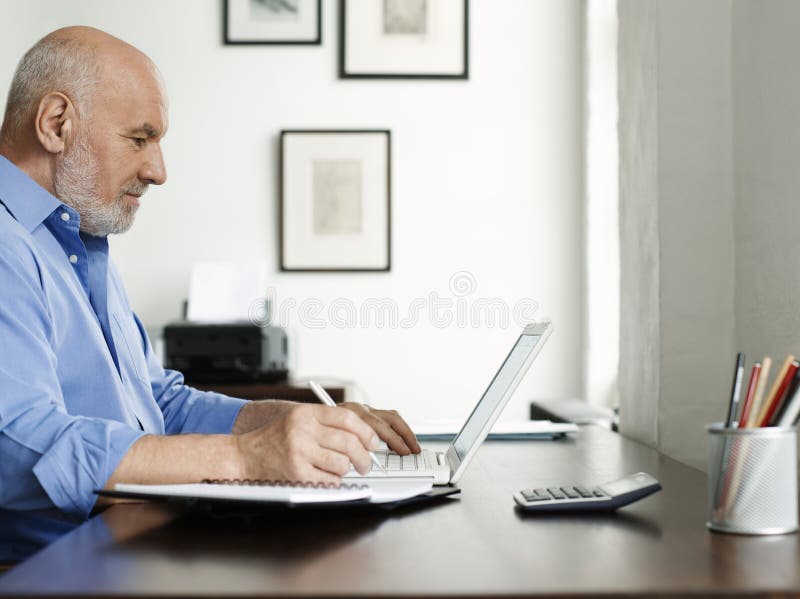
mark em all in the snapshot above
pixel 234 352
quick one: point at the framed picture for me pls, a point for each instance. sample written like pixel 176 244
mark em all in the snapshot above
pixel 335 205
pixel 272 21
pixel 403 39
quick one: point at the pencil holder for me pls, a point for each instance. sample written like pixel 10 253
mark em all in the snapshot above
pixel 752 480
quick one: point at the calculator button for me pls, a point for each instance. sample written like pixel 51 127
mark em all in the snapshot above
pixel 529 496
pixel 572 494
pixel 583 492
pixel 599 493
pixel 556 493
pixel 542 492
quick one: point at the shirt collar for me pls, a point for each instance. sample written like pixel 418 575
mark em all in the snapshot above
pixel 29 203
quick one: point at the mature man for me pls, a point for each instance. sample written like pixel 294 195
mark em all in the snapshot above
pixel 83 401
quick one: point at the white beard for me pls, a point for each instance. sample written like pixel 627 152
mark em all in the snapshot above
pixel 75 182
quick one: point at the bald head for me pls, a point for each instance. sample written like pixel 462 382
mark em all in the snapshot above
pixel 73 61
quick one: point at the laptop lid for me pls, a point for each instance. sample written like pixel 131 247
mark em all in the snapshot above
pixel 496 396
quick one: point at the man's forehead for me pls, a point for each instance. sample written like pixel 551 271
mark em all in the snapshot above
pixel 134 95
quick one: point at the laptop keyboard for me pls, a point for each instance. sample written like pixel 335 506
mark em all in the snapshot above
pixel 406 463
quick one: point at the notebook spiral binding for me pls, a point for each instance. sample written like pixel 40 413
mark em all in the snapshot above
pixel 253 482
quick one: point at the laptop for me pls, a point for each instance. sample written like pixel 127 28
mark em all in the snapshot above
pixel 447 467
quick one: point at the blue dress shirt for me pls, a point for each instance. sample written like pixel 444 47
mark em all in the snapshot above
pixel 79 382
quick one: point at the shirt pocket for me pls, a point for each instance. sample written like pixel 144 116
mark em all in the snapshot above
pixel 135 363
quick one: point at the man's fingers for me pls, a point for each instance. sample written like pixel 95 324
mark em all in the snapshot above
pixel 314 464
pixel 401 428
pixel 331 461
pixel 388 434
pixel 349 422
pixel 348 447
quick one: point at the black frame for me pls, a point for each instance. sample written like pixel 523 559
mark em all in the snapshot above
pixel 229 42
pixel 344 75
pixel 281 194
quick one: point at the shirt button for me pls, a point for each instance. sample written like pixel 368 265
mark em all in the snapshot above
pixel 73 258
pixel 65 216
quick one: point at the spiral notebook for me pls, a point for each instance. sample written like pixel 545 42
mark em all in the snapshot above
pixel 376 491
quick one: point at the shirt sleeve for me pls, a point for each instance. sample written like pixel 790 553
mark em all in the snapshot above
pixel 49 458
pixel 186 409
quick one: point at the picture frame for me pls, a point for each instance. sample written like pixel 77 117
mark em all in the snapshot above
pixel 404 39
pixel 272 22
pixel 335 200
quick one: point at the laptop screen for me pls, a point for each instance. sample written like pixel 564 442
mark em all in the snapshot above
pixel 494 393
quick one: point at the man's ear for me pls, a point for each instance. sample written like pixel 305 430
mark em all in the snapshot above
pixel 55 122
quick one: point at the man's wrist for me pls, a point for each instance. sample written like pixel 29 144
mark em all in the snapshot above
pixel 244 419
pixel 259 413
pixel 236 462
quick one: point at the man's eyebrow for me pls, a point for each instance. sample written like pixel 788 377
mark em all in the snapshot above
pixel 147 129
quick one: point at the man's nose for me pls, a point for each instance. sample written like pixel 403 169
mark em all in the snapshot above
pixel 153 170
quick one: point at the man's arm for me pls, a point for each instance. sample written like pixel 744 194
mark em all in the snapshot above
pixel 49 458
pixel 296 442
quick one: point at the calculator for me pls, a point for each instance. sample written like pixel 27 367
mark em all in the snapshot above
pixel 606 497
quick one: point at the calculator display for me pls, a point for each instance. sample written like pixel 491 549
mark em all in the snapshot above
pixel 494 394
pixel 625 485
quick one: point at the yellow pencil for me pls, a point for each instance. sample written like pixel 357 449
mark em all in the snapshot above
pixel 770 397
pixel 758 397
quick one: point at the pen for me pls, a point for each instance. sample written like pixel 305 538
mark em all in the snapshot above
pixel 323 396
pixel 736 389
pixel 720 492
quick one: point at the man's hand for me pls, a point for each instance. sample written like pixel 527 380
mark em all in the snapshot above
pixel 305 442
pixel 390 427
pixel 277 440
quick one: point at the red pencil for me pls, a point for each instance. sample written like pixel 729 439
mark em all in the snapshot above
pixel 776 401
pixel 751 391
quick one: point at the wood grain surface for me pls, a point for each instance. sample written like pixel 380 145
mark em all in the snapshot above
pixel 477 545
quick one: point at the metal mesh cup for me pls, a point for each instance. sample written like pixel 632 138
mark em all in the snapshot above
pixel 752 480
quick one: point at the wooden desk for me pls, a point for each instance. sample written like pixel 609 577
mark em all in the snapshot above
pixel 475 545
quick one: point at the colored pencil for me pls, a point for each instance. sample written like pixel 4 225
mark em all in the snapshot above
pixel 769 398
pixel 758 398
pixel 792 411
pixel 786 401
pixel 751 391
pixel 772 408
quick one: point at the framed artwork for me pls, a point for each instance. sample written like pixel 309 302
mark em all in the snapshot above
pixel 335 204
pixel 272 21
pixel 403 39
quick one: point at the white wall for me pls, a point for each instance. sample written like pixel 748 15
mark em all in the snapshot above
pixel 696 222
pixel 685 332
pixel 726 97
pixel 484 180
pixel 601 232
pixel 767 131
pixel 640 324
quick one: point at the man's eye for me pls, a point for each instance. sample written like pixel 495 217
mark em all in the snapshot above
pixel 139 141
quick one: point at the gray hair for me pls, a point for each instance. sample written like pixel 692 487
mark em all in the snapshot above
pixel 52 64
